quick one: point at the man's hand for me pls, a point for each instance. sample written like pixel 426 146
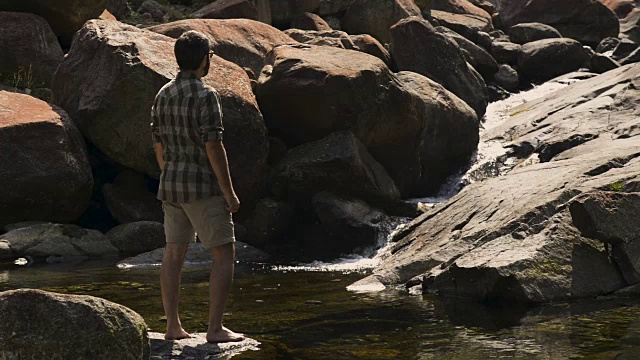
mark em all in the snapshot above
pixel 233 203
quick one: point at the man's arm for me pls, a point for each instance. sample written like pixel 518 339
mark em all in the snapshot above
pixel 218 160
pixel 159 150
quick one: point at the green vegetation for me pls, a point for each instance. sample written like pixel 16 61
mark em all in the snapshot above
pixel 617 186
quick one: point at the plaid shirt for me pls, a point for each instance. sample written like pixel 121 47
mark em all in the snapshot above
pixel 186 114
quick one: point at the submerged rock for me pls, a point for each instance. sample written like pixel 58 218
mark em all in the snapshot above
pixel 196 348
pixel 44 171
pixel 44 325
pixel 526 236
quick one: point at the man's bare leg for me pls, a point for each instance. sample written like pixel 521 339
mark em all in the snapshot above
pixel 219 288
pixel 170 274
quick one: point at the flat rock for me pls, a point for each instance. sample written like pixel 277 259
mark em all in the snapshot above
pixel 197 348
pixel 196 255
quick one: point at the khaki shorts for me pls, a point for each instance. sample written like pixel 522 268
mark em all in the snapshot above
pixel 207 217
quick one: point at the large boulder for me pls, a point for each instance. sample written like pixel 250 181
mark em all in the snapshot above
pixel 417 46
pixel 65 16
pixel 532 235
pixel 243 42
pixel 128 199
pixel 368 44
pixel 115 114
pixel 58 240
pixel 465 25
pixel 269 223
pixel 475 55
pixel 334 38
pixel 529 32
pixel 43 167
pixel 137 237
pixel 338 163
pixel 283 11
pixel 505 52
pixel 545 59
pixel 587 21
pixel 375 17
pixel 308 92
pixel 44 325
pixel 29 49
pixel 259 10
pixel 309 21
pixel 459 7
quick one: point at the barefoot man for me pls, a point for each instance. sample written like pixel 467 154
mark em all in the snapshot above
pixel 195 186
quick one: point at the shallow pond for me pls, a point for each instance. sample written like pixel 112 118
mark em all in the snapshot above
pixel 311 315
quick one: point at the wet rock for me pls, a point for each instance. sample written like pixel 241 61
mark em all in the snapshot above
pixel 284 11
pixel 465 25
pixel 333 38
pixel 417 46
pixel 310 21
pixel 601 63
pixel 507 78
pixel 545 59
pixel 115 115
pixel 128 199
pixel 5 251
pixel 196 348
pixel 45 325
pixel 496 92
pixel 611 217
pixel 351 224
pixel 587 21
pixel 475 55
pixel 505 52
pixel 197 255
pixel 244 42
pixel 137 237
pixel 459 7
pixel 358 92
pixel 43 168
pixel 29 49
pixel 530 32
pixel 58 240
pixel 236 9
pixel 375 17
pixel 65 17
pixel 269 223
pixel 608 44
pixel 515 237
pixel 337 163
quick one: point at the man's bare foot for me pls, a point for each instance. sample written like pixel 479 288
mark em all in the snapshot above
pixel 177 335
pixel 224 335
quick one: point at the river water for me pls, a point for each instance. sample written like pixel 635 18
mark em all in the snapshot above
pixel 305 311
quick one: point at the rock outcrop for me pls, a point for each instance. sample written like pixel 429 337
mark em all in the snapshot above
pixel 29 49
pixel 308 92
pixel 375 17
pixel 44 325
pixel 57 241
pixel 65 16
pixel 43 163
pixel 587 21
pixel 417 46
pixel 114 114
pixel 245 43
pixel 541 231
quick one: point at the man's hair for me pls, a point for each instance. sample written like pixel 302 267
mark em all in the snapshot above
pixel 191 47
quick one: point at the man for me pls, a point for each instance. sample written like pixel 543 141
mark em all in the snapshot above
pixel 195 186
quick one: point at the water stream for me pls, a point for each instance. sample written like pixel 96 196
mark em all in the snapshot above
pixel 305 311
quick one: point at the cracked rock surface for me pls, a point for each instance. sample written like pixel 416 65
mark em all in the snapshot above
pixel 562 224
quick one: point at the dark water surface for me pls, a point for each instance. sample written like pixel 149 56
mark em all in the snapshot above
pixel 310 315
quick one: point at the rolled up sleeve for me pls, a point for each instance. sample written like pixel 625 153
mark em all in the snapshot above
pixel 155 130
pixel 211 128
